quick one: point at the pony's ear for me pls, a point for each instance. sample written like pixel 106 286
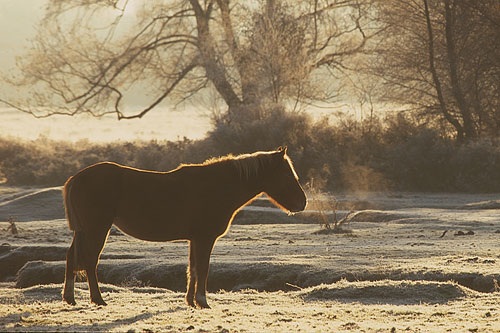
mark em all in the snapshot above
pixel 282 150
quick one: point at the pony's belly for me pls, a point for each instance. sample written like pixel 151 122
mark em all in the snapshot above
pixel 151 230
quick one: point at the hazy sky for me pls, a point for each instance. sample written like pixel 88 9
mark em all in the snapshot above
pixel 18 19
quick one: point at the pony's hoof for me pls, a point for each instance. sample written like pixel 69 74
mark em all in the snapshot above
pixel 203 306
pixel 99 302
pixel 202 303
pixel 190 302
pixel 70 300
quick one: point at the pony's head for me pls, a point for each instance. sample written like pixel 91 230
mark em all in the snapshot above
pixel 282 184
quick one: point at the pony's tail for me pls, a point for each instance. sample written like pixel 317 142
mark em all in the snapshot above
pixel 79 260
pixel 69 206
pixel 74 224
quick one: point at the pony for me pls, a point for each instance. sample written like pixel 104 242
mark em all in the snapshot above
pixel 194 203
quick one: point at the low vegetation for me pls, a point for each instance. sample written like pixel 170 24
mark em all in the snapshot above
pixel 325 211
pixel 395 153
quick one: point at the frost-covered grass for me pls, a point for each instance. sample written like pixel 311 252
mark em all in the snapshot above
pixel 397 269
pixel 149 309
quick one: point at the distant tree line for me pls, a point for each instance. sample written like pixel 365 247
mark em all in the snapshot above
pixel 374 155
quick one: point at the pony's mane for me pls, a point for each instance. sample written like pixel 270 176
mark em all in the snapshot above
pixel 247 165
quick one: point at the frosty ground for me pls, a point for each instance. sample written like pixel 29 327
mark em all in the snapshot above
pixel 414 262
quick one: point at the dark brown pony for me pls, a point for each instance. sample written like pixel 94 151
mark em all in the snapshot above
pixel 193 202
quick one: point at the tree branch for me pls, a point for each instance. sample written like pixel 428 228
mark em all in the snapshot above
pixel 180 77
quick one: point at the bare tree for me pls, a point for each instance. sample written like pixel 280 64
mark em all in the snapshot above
pixel 251 54
pixel 432 62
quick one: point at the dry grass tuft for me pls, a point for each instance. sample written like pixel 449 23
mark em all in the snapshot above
pixel 326 207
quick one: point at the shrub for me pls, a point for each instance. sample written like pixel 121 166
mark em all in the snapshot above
pixel 277 128
pixel 421 162
pixel 476 166
pixel 395 153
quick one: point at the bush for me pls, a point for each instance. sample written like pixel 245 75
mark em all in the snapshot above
pixel 277 128
pixel 390 154
pixel 477 166
pixel 421 162
pixel 44 162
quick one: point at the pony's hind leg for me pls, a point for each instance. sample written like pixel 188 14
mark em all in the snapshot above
pixel 93 248
pixel 69 281
pixel 191 275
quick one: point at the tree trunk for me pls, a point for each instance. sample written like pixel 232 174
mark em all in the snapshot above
pixel 458 94
pixel 215 72
pixel 437 83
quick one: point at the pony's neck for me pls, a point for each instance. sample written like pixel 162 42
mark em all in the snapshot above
pixel 244 187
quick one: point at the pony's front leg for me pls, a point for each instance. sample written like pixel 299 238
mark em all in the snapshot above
pixel 191 275
pixel 203 249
